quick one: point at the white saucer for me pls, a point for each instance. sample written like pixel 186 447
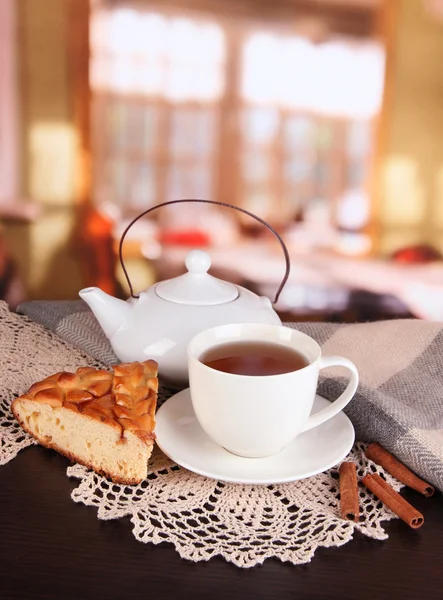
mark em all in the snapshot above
pixel 180 437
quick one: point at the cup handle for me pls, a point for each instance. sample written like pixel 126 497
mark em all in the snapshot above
pixel 327 413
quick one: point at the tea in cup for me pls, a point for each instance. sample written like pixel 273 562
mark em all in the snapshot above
pixel 253 386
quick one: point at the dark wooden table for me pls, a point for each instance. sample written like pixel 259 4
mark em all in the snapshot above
pixel 53 548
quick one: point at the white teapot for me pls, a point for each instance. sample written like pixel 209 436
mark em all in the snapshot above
pixel 161 320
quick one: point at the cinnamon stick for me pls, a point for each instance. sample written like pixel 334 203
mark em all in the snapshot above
pixel 392 465
pixel 350 509
pixel 393 500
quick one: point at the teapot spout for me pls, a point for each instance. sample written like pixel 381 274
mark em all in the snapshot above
pixel 110 312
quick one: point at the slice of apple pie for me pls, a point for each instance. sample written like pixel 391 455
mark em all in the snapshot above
pixel 100 419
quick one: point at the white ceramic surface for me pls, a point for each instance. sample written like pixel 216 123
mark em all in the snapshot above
pixel 180 436
pixel 151 327
pixel 197 286
pixel 257 416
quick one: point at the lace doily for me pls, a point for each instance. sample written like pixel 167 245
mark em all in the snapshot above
pixel 245 524
pixel 202 518
pixel 28 353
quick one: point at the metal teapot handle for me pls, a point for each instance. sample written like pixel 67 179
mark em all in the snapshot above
pixel 246 212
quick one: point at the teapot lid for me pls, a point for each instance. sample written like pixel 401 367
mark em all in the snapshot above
pixel 196 286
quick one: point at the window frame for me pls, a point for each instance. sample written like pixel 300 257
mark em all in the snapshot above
pixel 228 183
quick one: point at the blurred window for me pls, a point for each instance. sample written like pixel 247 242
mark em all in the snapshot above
pixel 157 86
pixel 306 121
pixel 194 107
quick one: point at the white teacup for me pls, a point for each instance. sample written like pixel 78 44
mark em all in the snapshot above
pixel 257 416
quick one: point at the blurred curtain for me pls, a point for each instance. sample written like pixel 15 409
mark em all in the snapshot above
pixel 8 102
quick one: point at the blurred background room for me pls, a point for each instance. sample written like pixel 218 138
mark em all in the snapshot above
pixel 323 117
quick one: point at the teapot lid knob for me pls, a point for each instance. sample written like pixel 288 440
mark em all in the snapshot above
pixel 197 287
pixel 198 261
